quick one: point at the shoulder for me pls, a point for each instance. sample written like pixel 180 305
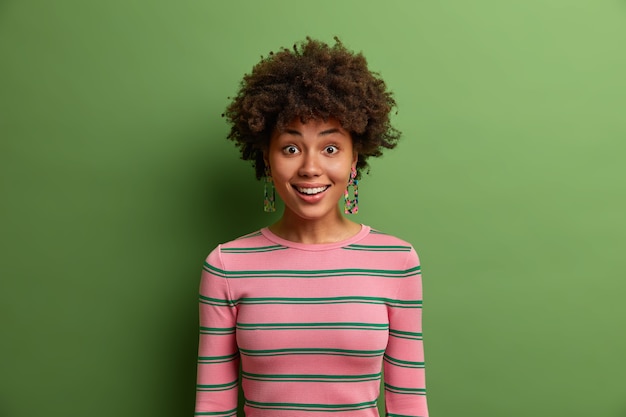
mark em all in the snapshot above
pixel 251 243
pixel 387 248
pixel 251 240
pixel 382 238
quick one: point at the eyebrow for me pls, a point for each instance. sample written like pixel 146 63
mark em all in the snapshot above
pixel 322 133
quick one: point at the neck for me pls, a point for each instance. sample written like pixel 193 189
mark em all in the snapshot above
pixel 317 231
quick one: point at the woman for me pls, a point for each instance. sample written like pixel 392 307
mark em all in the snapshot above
pixel 313 306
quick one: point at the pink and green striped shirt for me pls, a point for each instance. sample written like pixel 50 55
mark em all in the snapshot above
pixel 312 326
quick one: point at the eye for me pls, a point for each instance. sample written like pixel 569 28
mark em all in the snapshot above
pixel 290 150
pixel 331 149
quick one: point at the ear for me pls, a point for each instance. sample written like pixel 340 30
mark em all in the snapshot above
pixel 266 160
pixel 355 159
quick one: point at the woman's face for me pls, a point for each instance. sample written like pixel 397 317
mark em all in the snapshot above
pixel 310 165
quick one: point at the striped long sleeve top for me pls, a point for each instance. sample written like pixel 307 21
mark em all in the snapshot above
pixel 312 327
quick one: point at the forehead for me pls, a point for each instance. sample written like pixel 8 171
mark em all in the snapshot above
pixel 312 127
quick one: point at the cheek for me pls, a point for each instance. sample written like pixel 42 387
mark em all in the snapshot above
pixel 281 169
pixel 342 169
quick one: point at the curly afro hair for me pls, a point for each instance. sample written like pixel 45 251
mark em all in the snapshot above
pixel 312 81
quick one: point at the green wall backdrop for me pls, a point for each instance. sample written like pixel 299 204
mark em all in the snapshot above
pixel 116 181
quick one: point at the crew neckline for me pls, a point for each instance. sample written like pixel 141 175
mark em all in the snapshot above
pixel 365 230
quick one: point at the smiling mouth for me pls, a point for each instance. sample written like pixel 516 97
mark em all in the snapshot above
pixel 311 191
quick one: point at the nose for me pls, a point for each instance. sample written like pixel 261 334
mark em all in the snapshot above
pixel 310 166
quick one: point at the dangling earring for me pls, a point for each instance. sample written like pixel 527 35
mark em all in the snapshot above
pixel 269 193
pixel 351 206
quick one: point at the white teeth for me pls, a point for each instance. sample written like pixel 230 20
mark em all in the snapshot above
pixel 311 191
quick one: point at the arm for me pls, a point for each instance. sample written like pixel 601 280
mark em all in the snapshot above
pixel 218 356
pixel 405 389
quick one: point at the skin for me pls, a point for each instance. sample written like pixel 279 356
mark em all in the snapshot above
pixel 316 156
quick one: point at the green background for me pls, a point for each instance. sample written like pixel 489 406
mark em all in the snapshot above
pixel 116 181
